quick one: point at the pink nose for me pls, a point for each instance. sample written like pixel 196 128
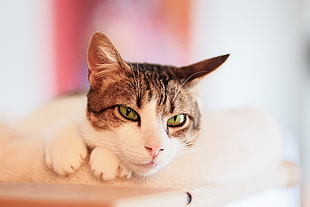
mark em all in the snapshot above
pixel 154 150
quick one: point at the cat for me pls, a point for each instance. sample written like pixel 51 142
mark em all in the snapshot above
pixel 145 121
pixel 136 119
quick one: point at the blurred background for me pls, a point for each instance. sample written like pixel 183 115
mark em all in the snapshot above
pixel 43 52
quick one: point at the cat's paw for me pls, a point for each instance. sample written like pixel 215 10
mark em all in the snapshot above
pixel 106 166
pixel 65 151
pixel 124 172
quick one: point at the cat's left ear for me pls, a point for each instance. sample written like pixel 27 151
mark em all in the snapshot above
pixel 198 70
pixel 101 51
pixel 104 61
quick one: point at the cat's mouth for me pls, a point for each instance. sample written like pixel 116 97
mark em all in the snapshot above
pixel 151 164
pixel 148 165
pixel 145 168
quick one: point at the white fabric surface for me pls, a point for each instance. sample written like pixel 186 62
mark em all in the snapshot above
pixel 286 197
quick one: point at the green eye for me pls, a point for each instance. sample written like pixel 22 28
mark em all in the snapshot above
pixel 128 113
pixel 176 121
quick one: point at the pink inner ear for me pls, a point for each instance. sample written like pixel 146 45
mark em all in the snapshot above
pixel 101 51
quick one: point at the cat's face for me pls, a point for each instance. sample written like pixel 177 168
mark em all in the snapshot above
pixel 145 113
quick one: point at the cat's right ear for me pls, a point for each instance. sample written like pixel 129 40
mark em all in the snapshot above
pixel 192 73
pixel 103 57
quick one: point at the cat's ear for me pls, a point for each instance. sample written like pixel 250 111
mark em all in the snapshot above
pixel 103 59
pixel 102 51
pixel 198 70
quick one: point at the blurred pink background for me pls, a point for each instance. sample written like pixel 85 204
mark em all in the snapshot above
pixel 152 31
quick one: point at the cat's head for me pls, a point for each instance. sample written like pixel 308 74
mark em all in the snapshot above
pixel 145 113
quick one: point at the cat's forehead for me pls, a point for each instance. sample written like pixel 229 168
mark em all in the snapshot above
pixel 148 66
pixel 143 84
pixel 154 82
pixel 149 69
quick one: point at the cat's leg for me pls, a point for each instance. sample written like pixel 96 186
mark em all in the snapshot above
pixel 287 174
pixel 106 165
pixel 65 150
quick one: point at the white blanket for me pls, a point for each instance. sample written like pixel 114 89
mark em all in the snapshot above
pixel 22 160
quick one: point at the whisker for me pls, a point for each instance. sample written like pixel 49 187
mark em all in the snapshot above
pixel 138 86
pixel 136 77
pixel 134 74
pixel 129 91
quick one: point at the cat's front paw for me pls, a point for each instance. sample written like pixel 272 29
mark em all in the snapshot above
pixel 124 172
pixel 65 151
pixel 106 166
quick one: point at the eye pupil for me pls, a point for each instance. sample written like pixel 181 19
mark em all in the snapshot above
pixel 128 110
pixel 175 118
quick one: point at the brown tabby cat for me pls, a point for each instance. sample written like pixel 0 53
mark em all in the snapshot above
pixel 138 120
pixel 138 116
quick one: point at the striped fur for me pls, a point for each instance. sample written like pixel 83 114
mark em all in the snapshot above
pixel 156 93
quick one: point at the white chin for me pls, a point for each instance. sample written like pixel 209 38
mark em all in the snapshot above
pixel 145 170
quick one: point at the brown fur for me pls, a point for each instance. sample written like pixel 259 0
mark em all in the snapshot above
pixel 115 82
